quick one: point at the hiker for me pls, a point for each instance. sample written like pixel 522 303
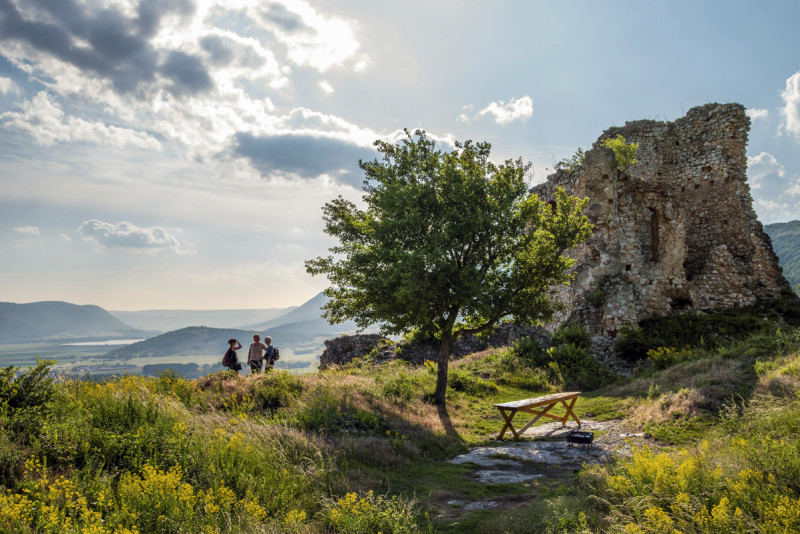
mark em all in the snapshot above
pixel 270 356
pixel 256 357
pixel 230 356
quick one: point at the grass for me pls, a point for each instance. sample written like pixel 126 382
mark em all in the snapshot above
pixel 361 448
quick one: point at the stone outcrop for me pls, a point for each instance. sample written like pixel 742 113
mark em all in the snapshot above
pixel 379 349
pixel 675 231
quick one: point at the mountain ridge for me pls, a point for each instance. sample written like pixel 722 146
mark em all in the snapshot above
pixel 785 238
pixel 55 320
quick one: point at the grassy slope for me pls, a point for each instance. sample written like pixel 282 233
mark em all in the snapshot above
pixel 301 454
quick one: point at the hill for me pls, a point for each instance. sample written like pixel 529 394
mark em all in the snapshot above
pixel 786 244
pixel 203 340
pixel 59 321
pixel 306 318
pixel 362 449
pixel 166 320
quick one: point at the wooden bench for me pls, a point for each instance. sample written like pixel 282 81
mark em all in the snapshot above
pixel 544 404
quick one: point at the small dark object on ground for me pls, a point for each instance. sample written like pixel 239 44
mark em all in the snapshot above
pixel 581 438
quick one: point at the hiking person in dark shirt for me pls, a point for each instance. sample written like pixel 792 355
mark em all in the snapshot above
pixel 233 360
pixel 269 357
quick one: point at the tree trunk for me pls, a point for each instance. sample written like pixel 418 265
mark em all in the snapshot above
pixel 441 377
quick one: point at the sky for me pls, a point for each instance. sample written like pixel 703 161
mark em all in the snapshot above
pixel 176 154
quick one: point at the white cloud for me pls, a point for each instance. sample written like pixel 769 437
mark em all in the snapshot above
pixel 45 121
pixel 27 230
pixel 7 86
pixel 466 115
pixel 128 235
pixel 65 237
pixel 761 166
pixel 772 188
pixel 791 108
pixel 516 109
pixel 311 39
pixel 757 113
pixel 206 75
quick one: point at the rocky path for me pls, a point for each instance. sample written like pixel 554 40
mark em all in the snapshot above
pixel 542 453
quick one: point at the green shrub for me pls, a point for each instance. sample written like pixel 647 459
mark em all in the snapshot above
pixel 369 514
pixel 400 387
pixel 573 334
pixel 624 152
pixel 567 362
pixel 529 352
pixel 115 426
pixel 274 390
pixel 664 357
pixel 466 382
pixel 690 329
pixel 576 368
pixel 323 411
pixel 572 163
pixel 25 399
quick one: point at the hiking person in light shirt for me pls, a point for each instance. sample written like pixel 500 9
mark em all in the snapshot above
pixel 256 356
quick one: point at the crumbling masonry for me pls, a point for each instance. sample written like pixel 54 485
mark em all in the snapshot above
pixel 675 231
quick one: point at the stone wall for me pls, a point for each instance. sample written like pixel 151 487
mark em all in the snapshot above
pixel 344 349
pixel 676 231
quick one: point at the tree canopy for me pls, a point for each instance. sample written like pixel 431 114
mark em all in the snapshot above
pixel 448 244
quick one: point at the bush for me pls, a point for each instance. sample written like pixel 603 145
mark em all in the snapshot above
pixel 325 412
pixel 25 399
pixel 529 352
pixel 466 382
pixel 368 514
pixel 274 390
pixel 572 334
pixel 574 367
pixel 624 152
pixel 690 329
pixel 567 362
pixel 400 388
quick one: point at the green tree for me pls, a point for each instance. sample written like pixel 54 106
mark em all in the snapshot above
pixel 624 152
pixel 448 244
pixel 572 163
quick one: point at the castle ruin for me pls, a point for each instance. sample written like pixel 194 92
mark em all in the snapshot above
pixel 676 231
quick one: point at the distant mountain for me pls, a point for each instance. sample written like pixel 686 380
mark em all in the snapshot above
pixel 59 321
pixel 166 320
pixel 786 244
pixel 192 340
pixel 306 318
pixel 203 340
pixel 302 329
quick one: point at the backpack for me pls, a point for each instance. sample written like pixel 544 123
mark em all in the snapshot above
pixel 226 360
pixel 276 354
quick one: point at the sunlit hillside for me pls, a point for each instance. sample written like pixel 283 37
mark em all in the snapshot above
pixel 362 448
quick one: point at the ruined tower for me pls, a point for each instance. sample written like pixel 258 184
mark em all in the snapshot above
pixel 675 231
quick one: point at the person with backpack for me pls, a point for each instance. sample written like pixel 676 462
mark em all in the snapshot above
pixel 256 356
pixel 272 354
pixel 230 360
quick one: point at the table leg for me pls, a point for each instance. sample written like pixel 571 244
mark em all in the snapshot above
pixel 508 424
pixel 570 412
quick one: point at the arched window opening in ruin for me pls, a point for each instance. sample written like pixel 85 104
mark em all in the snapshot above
pixel 680 303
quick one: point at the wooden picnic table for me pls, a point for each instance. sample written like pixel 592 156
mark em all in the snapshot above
pixel 544 404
